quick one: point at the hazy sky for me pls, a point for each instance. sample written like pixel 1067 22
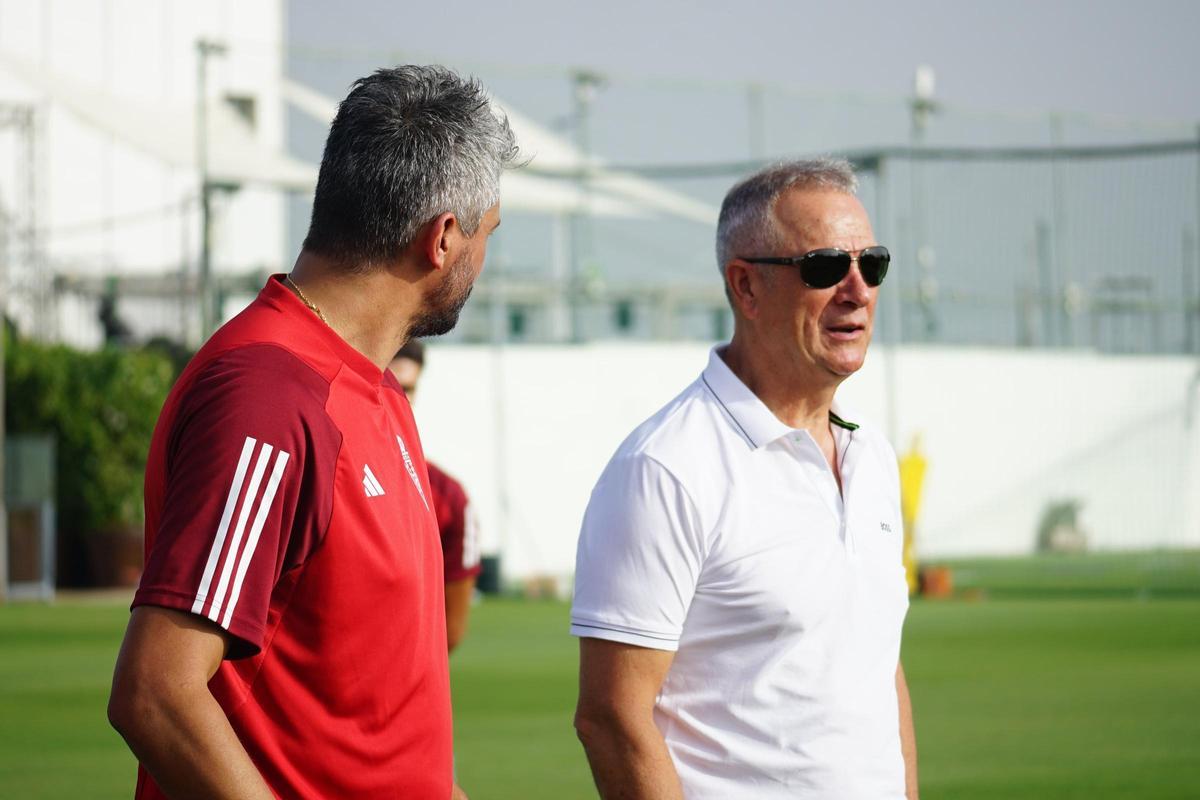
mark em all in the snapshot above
pixel 677 95
pixel 1123 58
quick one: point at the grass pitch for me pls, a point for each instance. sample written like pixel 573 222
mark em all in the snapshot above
pixel 1025 697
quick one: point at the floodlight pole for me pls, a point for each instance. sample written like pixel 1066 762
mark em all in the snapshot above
pixel 1196 238
pixel 205 49
pixel 891 351
pixel 1060 277
pixel 584 85
pixel 922 106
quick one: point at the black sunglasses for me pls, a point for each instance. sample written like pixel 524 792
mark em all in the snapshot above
pixel 826 267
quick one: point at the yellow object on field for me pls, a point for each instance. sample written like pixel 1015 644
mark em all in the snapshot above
pixel 912 477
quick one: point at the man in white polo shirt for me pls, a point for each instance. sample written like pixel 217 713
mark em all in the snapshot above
pixel 739 585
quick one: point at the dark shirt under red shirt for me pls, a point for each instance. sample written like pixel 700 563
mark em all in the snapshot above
pixel 287 500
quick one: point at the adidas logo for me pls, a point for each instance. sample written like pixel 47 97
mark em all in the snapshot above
pixel 370 483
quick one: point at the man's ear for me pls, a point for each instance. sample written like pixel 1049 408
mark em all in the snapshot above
pixel 744 285
pixel 439 237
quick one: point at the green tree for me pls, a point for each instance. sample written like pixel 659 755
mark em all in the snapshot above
pixel 101 407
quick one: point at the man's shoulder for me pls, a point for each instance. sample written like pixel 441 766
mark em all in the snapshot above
pixel 260 388
pixel 272 335
pixel 673 435
pixel 254 371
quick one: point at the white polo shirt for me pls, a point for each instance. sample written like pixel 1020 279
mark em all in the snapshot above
pixel 719 532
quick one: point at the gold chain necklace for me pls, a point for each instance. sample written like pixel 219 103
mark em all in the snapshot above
pixel 305 300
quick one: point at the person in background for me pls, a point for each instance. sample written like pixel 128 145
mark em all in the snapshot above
pixel 456 519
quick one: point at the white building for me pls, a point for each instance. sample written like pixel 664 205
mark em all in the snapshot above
pixel 109 88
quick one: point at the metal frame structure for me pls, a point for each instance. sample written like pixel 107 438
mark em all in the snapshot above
pixel 22 118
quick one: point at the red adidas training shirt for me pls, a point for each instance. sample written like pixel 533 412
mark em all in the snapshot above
pixel 287 500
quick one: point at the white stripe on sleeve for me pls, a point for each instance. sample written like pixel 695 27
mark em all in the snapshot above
pixel 260 518
pixel 260 466
pixel 230 502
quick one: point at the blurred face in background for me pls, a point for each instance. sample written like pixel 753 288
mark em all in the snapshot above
pixel 407 373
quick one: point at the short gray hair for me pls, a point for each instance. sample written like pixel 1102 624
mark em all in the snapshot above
pixel 747 224
pixel 407 144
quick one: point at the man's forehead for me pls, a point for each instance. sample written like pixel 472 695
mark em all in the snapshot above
pixel 821 214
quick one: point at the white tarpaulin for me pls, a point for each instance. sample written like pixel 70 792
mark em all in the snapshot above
pixel 235 156
pixel 609 193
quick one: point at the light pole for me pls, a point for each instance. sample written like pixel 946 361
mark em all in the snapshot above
pixel 922 106
pixel 205 49
pixel 584 85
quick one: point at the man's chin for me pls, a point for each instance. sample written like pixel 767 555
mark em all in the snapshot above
pixel 846 364
pixel 433 326
pixel 436 323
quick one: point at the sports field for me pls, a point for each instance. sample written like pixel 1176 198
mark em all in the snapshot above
pixel 1094 694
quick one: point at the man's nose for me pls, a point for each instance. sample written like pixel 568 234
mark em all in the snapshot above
pixel 853 288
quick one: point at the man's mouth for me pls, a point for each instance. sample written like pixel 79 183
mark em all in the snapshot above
pixel 845 330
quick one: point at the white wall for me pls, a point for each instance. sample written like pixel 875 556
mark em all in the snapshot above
pixel 1005 432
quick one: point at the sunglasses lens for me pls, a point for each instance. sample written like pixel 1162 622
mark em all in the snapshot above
pixel 873 262
pixel 824 268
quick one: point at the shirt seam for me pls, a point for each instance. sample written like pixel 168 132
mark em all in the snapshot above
pixel 728 411
pixel 616 627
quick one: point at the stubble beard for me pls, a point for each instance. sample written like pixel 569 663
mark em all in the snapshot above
pixel 444 304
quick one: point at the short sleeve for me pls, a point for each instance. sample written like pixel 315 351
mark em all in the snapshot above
pixel 639 557
pixel 247 490
pixel 457 526
pixel 460 543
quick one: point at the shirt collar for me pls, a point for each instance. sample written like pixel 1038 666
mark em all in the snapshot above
pixel 277 294
pixel 751 416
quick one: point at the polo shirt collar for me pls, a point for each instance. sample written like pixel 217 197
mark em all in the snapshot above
pixel 277 293
pixel 753 419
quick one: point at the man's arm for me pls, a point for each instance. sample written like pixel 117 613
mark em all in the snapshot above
pixel 458 606
pixel 908 736
pixel 161 705
pixel 614 719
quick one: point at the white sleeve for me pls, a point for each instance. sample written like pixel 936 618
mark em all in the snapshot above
pixel 639 557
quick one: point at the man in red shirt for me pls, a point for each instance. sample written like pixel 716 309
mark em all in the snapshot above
pixel 456 519
pixel 288 636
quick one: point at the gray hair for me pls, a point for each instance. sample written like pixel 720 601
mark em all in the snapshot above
pixel 747 225
pixel 407 144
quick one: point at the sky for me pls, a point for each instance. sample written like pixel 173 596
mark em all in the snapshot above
pixel 1125 59
pixel 837 78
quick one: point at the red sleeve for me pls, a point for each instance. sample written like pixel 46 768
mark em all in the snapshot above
pixel 247 493
pixel 458 525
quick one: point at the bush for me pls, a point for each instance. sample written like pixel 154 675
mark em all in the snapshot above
pixel 101 407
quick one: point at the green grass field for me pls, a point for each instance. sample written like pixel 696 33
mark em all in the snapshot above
pixel 1032 698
